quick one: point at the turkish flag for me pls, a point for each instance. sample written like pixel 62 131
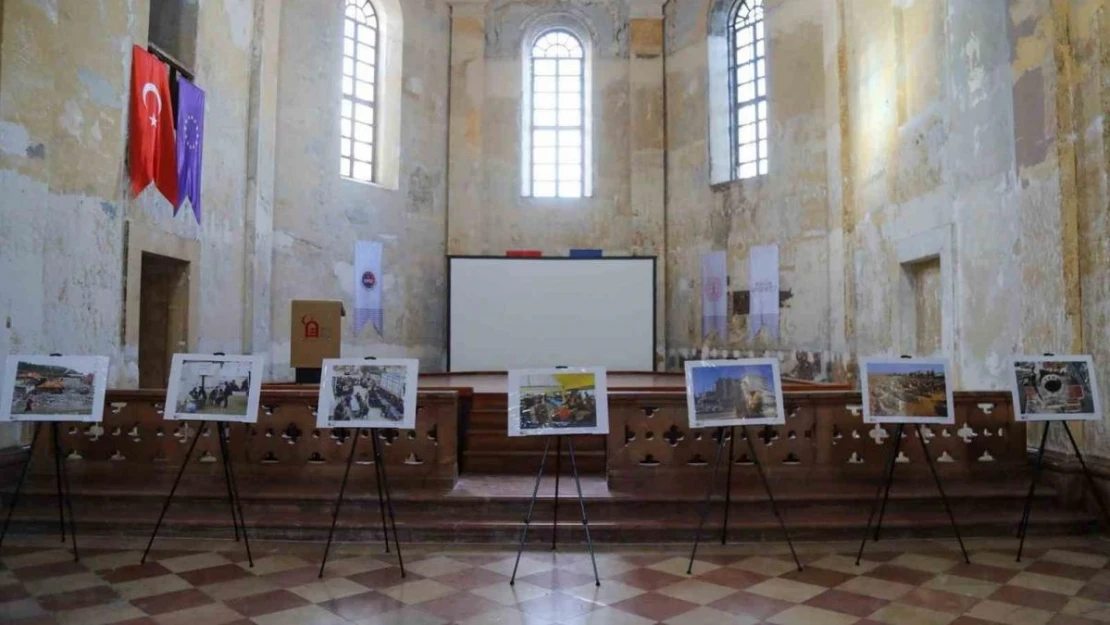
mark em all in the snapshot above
pixel 153 150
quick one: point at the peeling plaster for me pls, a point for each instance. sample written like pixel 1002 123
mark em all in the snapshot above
pixel 100 89
pixel 14 139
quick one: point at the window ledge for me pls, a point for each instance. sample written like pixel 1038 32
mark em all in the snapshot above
pixel 367 183
pixel 738 182
pixel 554 200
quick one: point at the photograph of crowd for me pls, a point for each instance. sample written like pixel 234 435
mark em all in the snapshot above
pixel 906 391
pixel 1058 387
pixel 360 393
pixel 558 401
pixel 734 392
pixel 221 387
pixel 50 388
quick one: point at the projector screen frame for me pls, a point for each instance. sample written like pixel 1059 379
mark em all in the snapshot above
pixel 654 293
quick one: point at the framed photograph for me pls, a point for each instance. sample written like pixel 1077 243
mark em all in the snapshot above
pixel 563 400
pixel 54 388
pixel 214 388
pixel 357 393
pixel 722 393
pixel 1055 388
pixel 907 390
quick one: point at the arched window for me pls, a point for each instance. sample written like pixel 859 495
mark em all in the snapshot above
pixel 747 89
pixel 556 117
pixel 358 115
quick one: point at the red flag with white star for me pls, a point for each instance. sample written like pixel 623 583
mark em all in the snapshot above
pixel 152 151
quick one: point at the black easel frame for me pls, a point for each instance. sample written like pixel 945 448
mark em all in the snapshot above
pixel 532 504
pixel 61 477
pixel 1023 525
pixel 383 502
pixel 884 491
pixel 704 514
pixel 237 520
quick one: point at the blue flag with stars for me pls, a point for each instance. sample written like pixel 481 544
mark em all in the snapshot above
pixel 190 143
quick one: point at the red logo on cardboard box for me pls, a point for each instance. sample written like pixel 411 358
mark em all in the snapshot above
pixel 311 327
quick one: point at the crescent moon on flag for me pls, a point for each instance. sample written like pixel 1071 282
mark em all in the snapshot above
pixel 150 88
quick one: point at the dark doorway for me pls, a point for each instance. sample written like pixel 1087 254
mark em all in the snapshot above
pixel 163 317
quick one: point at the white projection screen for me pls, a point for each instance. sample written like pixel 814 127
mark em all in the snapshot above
pixel 509 313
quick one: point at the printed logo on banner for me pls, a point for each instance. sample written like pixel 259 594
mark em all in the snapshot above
pixel 714 287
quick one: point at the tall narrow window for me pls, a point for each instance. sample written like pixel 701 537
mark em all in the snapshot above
pixel 358 136
pixel 748 89
pixel 557 125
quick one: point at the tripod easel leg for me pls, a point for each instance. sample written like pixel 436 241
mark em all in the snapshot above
pixel 582 504
pixel 379 459
pixel 1087 474
pixel 339 503
pixel 222 429
pixel 555 505
pixel 64 476
pixel 177 480
pixel 225 458
pixel 708 496
pixel 1027 510
pixel 771 497
pixel 943 497
pixel 889 482
pixel 22 479
pixel 58 478
pixel 728 480
pixel 531 507
pixel 381 495
pixel 891 461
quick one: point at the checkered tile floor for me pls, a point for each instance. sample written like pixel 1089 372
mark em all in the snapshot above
pixel 1061 582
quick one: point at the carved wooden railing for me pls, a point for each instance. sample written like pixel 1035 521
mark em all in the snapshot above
pixel 134 439
pixel 650 443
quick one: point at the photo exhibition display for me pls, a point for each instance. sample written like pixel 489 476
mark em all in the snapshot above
pixel 722 393
pixel 54 388
pixel 555 401
pixel 368 393
pixel 906 390
pixel 214 388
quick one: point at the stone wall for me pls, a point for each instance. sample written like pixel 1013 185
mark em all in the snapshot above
pixel 68 226
pixel 319 216
pixel 788 207
pixel 940 176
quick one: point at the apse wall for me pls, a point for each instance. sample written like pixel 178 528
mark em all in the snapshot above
pixel 318 216
pixel 68 227
pixel 488 213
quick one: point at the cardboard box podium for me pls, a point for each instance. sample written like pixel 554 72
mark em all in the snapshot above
pixel 315 334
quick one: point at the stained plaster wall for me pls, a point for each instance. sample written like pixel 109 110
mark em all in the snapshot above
pixel 788 207
pixel 64 200
pixel 983 143
pixel 318 216
pixel 967 132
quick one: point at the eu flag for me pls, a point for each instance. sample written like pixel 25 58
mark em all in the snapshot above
pixel 190 143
